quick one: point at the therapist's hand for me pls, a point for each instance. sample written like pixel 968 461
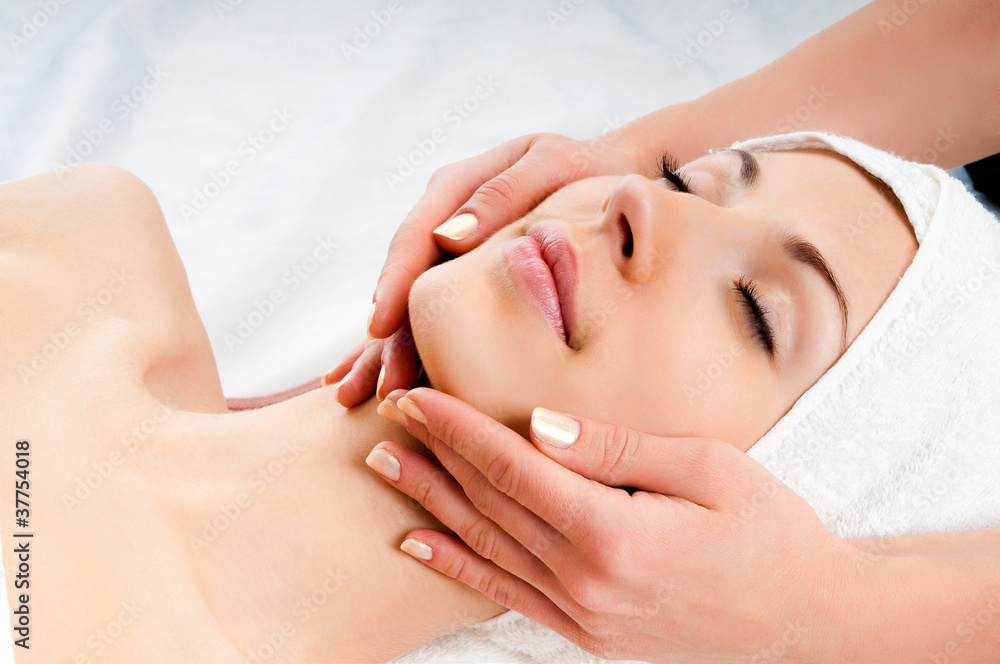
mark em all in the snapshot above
pixel 475 197
pixel 712 559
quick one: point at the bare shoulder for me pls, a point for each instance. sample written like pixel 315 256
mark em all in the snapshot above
pixel 85 254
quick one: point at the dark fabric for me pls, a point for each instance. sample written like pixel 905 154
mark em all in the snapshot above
pixel 985 175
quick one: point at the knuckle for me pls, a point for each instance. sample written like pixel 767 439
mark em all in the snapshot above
pixel 500 191
pixel 454 432
pixel 426 491
pixel 482 537
pixel 504 474
pixel 589 595
pixel 620 447
pixel 499 588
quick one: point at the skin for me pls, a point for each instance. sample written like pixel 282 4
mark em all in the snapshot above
pixel 671 305
pixel 132 406
pixel 313 519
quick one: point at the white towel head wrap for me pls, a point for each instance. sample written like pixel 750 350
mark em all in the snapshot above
pixel 902 434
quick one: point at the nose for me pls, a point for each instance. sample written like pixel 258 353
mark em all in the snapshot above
pixel 648 224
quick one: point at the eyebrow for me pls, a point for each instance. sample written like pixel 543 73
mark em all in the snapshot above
pixel 802 251
pixel 796 247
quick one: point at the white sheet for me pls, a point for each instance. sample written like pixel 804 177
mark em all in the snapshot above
pixel 199 77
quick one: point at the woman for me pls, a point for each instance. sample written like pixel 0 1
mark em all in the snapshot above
pixel 166 528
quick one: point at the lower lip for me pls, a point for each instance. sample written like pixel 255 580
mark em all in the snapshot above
pixel 525 258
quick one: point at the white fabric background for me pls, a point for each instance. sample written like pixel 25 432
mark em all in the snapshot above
pixel 576 67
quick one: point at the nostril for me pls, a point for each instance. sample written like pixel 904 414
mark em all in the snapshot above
pixel 626 232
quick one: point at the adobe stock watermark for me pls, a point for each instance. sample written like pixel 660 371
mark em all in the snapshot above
pixel 230 511
pixel 562 12
pixel 364 34
pixel 968 630
pixel 453 118
pixel 31 25
pixel 697 44
pixel 302 611
pixel 121 108
pixel 292 279
pixel 793 635
pixel 224 7
pixel 248 149
pixel 900 16
pixel 87 311
pixel 587 153
pixel 815 100
pixel 100 471
pixel 707 377
pixel 98 642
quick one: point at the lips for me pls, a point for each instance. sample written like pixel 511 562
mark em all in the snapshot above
pixel 545 264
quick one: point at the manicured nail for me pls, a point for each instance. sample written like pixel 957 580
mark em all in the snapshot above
pixel 371 317
pixel 554 428
pixel 378 385
pixel 411 410
pixel 343 381
pixel 389 411
pixel 417 549
pixel 326 378
pixel 384 464
pixel 459 227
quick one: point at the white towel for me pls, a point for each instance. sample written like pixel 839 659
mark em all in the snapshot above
pixel 902 435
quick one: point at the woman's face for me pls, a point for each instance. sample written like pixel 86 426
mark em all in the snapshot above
pixel 691 314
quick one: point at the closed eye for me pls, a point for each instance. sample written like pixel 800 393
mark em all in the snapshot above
pixel 668 170
pixel 757 315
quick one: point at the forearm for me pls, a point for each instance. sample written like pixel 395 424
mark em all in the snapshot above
pixel 927 598
pixel 925 85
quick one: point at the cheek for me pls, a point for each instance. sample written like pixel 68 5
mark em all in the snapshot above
pixel 476 344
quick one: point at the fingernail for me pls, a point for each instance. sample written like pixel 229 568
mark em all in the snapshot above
pixel 371 317
pixel 384 464
pixel 389 411
pixel 417 549
pixel 411 410
pixel 554 428
pixel 378 385
pixel 326 378
pixel 343 381
pixel 459 227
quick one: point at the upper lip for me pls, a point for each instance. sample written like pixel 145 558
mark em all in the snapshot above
pixel 560 255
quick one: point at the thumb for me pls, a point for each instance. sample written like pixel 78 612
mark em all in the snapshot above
pixel 700 470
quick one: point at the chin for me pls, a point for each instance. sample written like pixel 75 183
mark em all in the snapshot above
pixel 467 336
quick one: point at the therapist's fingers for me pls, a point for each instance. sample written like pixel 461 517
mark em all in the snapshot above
pixel 345 365
pixel 413 248
pixel 526 527
pixel 563 499
pixel 400 362
pixel 450 557
pixel 442 496
pixel 360 381
pixel 705 471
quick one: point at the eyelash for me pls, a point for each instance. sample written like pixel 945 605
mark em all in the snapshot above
pixel 756 313
pixel 668 171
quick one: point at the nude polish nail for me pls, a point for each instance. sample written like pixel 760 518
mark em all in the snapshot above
pixel 371 317
pixel 458 228
pixel 417 549
pixel 378 385
pixel 389 411
pixel 411 410
pixel 554 428
pixel 384 464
